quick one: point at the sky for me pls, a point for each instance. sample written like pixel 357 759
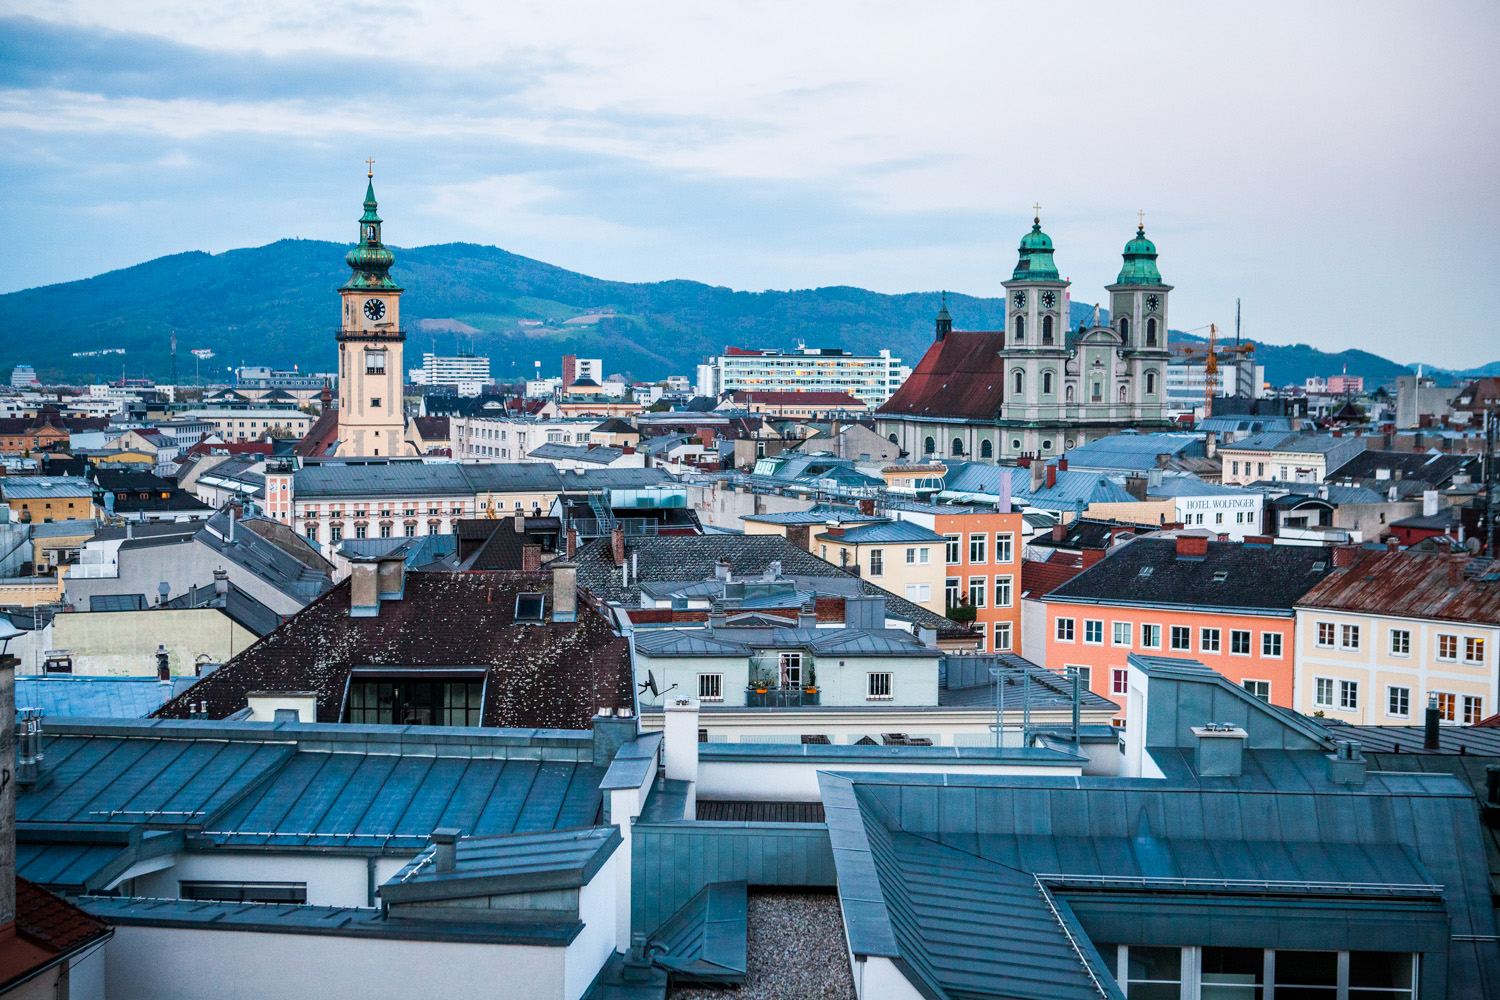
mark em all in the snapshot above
pixel 1331 164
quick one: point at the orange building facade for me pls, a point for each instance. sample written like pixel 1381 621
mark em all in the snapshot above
pixel 982 569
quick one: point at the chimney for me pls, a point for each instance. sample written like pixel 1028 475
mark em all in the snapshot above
pixel 1091 556
pixel 807 615
pixel 1192 547
pixel 1430 500
pixel 572 543
pixel 1221 750
pixel 129 529
pixel 723 571
pixel 28 722
pixel 1062 463
pixel 163 664
pixel 445 848
pixel 680 748
pixel 1393 544
pixel 716 616
pixel 1430 737
pixel 1343 555
pixel 1051 476
pixel 773 571
pixel 867 506
pixel 1023 461
pixel 617 545
pixel 1346 765
pixel 612 729
pixel 390 577
pixel 800 535
pixel 1059 530
pixel 531 558
pixel 564 590
pixel 1135 485
pixel 221 583
pixel 519 522
pixel 1038 473
pixel 364 590
pixel 1210 444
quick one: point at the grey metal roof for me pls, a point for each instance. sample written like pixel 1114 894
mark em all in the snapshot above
pixel 705 941
pixel 599 455
pixel 335 480
pixel 521 862
pixel 85 696
pixel 817 514
pixel 1135 452
pixel 878 532
pixel 117 602
pixel 263 557
pixel 1073 486
pixel 45 487
pixel 63 529
pixel 742 641
pixel 1179 485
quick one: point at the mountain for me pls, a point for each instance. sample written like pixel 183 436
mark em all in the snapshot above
pixel 277 305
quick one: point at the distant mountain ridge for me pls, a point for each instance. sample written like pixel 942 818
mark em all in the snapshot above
pixel 277 305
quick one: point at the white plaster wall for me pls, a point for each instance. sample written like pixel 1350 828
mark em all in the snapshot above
pixel 598 906
pixel 798 782
pixel 331 880
pixel 878 979
pixel 166 963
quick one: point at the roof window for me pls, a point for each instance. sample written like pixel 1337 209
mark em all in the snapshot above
pixel 1146 571
pixel 1221 575
pixel 530 607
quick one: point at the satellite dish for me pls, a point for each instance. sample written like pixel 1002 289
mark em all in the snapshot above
pixel 650 685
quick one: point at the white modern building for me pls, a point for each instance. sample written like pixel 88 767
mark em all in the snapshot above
pixel 467 373
pixel 513 439
pixel 871 378
pixel 1188 380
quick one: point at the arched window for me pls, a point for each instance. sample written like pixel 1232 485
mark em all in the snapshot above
pixel 1046 329
pixel 1047 382
pixel 929 446
pixel 1125 328
pixel 1151 332
pixel 958 446
pixel 1018 381
pixel 1020 328
pixel 1151 383
pixel 986 449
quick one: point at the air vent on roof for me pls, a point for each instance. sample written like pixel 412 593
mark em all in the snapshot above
pixel 1146 571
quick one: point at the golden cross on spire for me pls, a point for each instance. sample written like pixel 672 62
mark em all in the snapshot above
pixel 370 167
pixel 1140 218
pixel 1036 209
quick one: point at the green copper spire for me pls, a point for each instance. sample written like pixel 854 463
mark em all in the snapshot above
pixel 1140 260
pixel 370 261
pixel 1035 262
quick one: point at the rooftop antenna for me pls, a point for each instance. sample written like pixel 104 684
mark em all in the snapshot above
pixel 1236 321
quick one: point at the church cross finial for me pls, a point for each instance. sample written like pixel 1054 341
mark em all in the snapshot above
pixel 1036 210
pixel 1140 218
pixel 370 167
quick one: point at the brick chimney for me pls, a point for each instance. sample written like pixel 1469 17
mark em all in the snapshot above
pixel 1058 531
pixel 1343 555
pixel 617 545
pixel 1062 463
pixel 1051 476
pixel 1091 556
pixel 1192 547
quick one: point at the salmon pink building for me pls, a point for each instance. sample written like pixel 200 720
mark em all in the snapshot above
pixel 1229 605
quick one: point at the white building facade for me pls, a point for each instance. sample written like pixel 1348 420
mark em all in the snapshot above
pixel 870 378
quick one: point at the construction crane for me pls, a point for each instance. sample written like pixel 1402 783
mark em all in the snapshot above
pixel 1211 354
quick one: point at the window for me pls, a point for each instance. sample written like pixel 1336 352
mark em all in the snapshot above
pixel 1182 637
pixel 244 892
pixel 410 529
pixel 335 533
pixel 977 587
pixel 1085 674
pixel 1349 695
pixel 1239 642
pixel 1018 381
pixel 360 531
pixel 1151 332
pixel 1447 705
pixel 1309 974
pixel 375 402
pixel 1151 636
pixel 877 562
pixel 1473 650
pixel 1150 383
pixel 952 543
pixel 1270 645
pixel 1398 701
pixel 1020 328
pixel 710 687
pixel 791 670
pixel 1447 647
pixel 916 557
pixel 878 686
pixel 1002 637
pixel 1325 635
pixel 1046 329
pixel 1047 381
pixel 1119 680
pixel 413 701
pixel 1231 973
pixel 1003 591
pixel 918 592
pixel 530 607
pixel 1004 547
pixel 1261 689
pixel 1323 692
pixel 1121 634
pixel 385 529
pixel 986 449
pixel 1400 642
pixel 977 546
pixel 951 590
pixel 1349 636
pixel 1473 709
pixel 1065 630
pixel 374 362
pixel 1093 631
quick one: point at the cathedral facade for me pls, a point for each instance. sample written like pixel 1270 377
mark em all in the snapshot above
pixel 1037 387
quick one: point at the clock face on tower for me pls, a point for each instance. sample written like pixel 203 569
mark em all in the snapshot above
pixel 374 308
pixel 1019 299
pixel 1049 299
pixel 1153 302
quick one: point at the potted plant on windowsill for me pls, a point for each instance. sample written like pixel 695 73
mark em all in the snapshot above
pixel 963 613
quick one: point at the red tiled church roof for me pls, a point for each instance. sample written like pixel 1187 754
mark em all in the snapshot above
pixel 321 436
pixel 961 376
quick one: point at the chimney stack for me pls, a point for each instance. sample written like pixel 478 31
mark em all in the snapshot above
pixel 617 545
pixel 390 576
pixel 1221 750
pixel 723 571
pixel 1430 737
pixel 519 522
pixel 1192 547
pixel 221 583
pixel 564 590
pixel 364 590
pixel 1062 463
pixel 1210 444
pixel 1059 530
pixel 1430 499
pixel 445 848
pixel 1037 475
pixel 163 664
pixel 1051 476
pixel 1343 555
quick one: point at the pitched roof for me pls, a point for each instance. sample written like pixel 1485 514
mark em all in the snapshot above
pixel 47 928
pixel 877 532
pixel 1040 578
pixel 1413 585
pixel 1432 467
pixel 548 674
pixel 321 437
pixel 1230 575
pixel 961 376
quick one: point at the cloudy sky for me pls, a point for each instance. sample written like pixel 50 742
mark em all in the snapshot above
pixel 1333 164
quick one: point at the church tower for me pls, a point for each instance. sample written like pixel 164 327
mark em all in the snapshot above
pixel 1036 349
pixel 1138 312
pixel 371 421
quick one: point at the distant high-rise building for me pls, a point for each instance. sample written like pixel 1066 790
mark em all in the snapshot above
pixel 576 369
pixel 23 376
pixel 459 371
pixel 871 378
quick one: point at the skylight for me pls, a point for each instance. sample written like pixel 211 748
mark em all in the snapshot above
pixel 1221 575
pixel 1146 571
pixel 530 607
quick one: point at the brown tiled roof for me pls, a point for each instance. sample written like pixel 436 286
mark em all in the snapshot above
pixel 321 436
pixel 1413 585
pixel 961 376
pixel 47 927
pixel 548 675
pixel 432 428
pixel 1040 578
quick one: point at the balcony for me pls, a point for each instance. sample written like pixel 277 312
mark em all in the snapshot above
pixel 779 697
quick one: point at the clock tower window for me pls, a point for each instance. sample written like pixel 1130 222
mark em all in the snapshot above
pixel 1151 332
pixel 1020 328
pixel 1125 328
pixel 1046 329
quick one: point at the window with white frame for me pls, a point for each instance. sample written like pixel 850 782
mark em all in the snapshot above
pixel 1398 701
pixel 978 544
pixel 1209 973
pixel 1261 689
pixel 1005 549
pixel 1239 642
pixel 790 669
pixel 1400 642
pixel 1093 631
pixel 1085 674
pixel 1065 630
pixel 919 593
pixel 878 686
pixel 1473 709
pixel 953 548
pixel 1323 692
pixel 1181 638
pixel 1002 637
pixel 877 562
pixel 1348 696
pixel 1120 634
pixel 952 590
pixel 1325 635
pixel 1270 645
pixel 1447 705
pixel 1004 591
pixel 710 687
pixel 1447 647
pixel 1119 680
pixel 978 586
pixel 917 556
pixel 1348 636
pixel 1151 636
pixel 1473 650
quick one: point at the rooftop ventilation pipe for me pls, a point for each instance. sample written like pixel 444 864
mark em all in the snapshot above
pixel 445 848
pixel 28 746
